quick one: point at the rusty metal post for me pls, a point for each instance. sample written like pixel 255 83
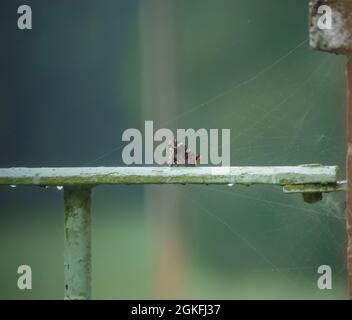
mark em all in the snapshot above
pixel 77 243
pixel 349 174
pixel 338 40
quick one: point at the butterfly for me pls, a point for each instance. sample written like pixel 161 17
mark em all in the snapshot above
pixel 181 155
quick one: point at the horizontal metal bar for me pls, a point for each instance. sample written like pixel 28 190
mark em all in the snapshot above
pixel 313 188
pixel 283 175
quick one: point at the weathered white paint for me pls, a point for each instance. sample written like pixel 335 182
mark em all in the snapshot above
pixel 338 39
pixel 281 175
pixel 77 243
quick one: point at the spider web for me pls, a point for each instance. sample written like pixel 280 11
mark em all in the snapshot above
pixel 283 108
pixel 290 125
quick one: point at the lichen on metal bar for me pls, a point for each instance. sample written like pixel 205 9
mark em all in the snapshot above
pixel 77 243
pixel 279 175
pixel 313 188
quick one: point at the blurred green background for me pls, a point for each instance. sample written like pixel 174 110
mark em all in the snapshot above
pixel 88 70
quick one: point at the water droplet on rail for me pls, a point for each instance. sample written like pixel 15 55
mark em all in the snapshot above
pixel 59 187
pixel 13 186
pixel 230 185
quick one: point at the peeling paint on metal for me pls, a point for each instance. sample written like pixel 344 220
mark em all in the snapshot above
pixel 77 243
pixel 338 39
pixel 176 175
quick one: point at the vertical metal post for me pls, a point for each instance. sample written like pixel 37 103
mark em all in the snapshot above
pixel 338 40
pixel 349 174
pixel 77 244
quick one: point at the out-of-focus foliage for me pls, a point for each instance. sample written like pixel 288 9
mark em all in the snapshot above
pixel 71 86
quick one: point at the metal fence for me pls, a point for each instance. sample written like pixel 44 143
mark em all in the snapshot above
pixel 310 180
